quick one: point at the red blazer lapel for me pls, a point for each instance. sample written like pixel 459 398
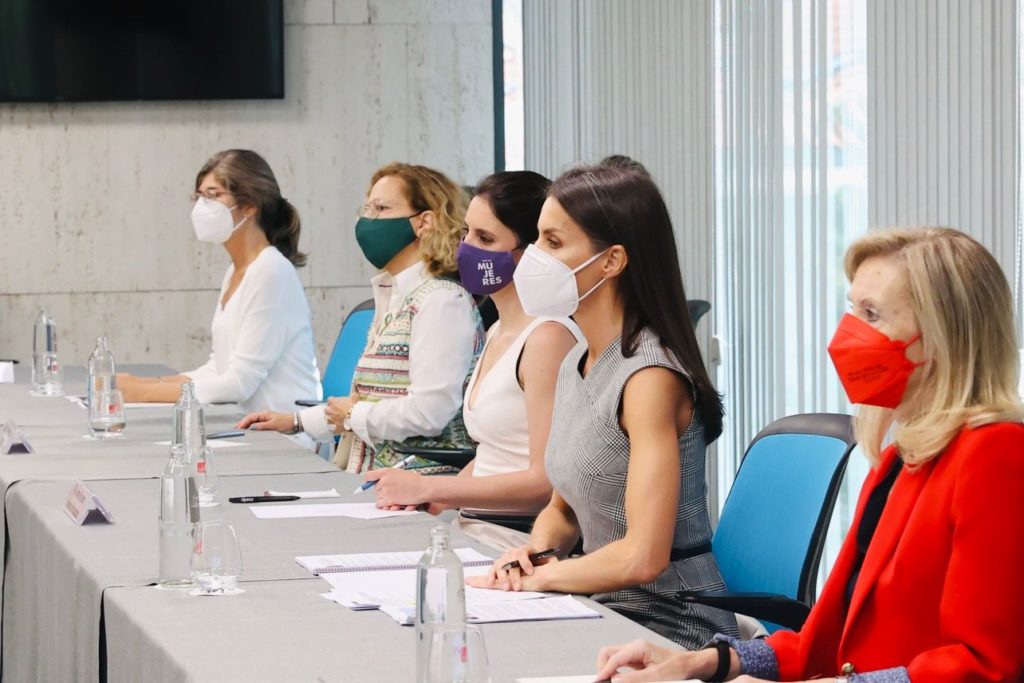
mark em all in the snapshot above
pixel 898 508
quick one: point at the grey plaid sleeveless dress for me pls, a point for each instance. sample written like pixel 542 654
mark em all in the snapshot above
pixel 587 459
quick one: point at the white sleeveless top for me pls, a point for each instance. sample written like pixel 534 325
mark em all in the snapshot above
pixel 497 418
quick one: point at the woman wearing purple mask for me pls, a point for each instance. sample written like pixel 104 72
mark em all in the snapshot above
pixel 508 401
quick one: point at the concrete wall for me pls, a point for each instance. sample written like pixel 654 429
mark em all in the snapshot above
pixel 94 209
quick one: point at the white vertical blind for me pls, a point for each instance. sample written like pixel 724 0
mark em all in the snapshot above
pixel 609 77
pixel 791 182
pixel 943 117
pixel 791 193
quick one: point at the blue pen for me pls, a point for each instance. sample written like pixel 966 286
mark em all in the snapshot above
pixel 400 465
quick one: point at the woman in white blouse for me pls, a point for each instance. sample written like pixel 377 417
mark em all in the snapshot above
pixel 263 356
pixel 426 334
pixel 508 402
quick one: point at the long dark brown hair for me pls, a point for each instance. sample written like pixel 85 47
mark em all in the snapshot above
pixel 247 176
pixel 615 205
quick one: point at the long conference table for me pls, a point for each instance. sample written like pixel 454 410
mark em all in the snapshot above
pixel 79 602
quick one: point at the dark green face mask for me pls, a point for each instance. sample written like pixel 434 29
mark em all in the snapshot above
pixel 382 238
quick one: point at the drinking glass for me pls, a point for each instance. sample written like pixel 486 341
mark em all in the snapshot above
pixel 106 414
pixel 47 374
pixel 458 653
pixel 216 558
pixel 205 474
pixel 202 470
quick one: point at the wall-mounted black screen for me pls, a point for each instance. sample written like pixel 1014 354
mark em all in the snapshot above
pixel 98 50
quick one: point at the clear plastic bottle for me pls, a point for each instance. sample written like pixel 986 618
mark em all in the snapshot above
pixel 440 602
pixel 102 375
pixel 179 511
pixel 189 422
pixel 47 374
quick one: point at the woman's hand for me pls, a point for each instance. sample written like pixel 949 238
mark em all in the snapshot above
pixel 526 577
pixel 398 488
pixel 336 411
pixel 652 663
pixel 267 421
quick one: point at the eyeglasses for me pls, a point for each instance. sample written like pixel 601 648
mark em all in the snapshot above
pixel 375 208
pixel 209 194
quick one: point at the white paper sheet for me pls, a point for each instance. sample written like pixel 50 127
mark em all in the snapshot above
pixel 216 443
pixel 540 609
pixel 370 590
pixel 397 560
pixel 356 510
pixel 331 493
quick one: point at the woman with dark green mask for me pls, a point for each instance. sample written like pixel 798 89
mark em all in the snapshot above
pixel 426 334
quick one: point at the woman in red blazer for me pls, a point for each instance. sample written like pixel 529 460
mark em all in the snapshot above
pixel 927 586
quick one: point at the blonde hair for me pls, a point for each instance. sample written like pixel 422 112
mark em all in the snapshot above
pixel 430 190
pixel 964 309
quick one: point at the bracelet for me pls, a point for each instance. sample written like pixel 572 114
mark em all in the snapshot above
pixel 723 661
pixel 296 423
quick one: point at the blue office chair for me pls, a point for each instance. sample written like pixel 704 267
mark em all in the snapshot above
pixel 348 347
pixel 772 530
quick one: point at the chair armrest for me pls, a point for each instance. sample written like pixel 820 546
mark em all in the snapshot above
pixel 453 457
pixel 772 607
pixel 308 402
pixel 511 519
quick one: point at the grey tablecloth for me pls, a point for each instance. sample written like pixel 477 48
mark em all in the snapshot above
pixel 284 631
pixel 57 571
pixel 67 586
pixel 56 428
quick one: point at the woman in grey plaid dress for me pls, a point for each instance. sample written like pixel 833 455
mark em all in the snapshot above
pixel 634 411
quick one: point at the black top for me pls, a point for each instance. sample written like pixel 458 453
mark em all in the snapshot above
pixel 869 522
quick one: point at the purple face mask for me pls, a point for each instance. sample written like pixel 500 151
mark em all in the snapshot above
pixel 482 271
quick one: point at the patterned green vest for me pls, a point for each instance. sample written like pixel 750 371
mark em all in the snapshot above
pixel 383 373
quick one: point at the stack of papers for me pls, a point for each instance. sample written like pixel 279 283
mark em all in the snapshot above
pixel 387 581
pixel 540 609
pixel 362 562
pixel 355 510
pixel 371 590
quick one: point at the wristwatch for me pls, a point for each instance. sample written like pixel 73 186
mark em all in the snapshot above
pixel 346 422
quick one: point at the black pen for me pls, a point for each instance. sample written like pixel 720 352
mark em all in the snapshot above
pixel 263 499
pixel 226 435
pixel 544 554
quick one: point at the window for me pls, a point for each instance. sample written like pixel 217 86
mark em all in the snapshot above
pixel 791 182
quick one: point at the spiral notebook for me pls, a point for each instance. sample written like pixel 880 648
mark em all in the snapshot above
pixel 361 562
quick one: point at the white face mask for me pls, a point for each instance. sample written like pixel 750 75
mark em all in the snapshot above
pixel 212 222
pixel 546 286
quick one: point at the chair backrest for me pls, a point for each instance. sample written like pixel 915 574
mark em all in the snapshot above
pixel 772 529
pixel 697 309
pixel 349 346
pixel 488 311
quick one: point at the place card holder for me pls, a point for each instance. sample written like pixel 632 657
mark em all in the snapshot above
pixel 84 507
pixel 12 441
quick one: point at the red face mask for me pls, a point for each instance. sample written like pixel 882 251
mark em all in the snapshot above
pixel 874 369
